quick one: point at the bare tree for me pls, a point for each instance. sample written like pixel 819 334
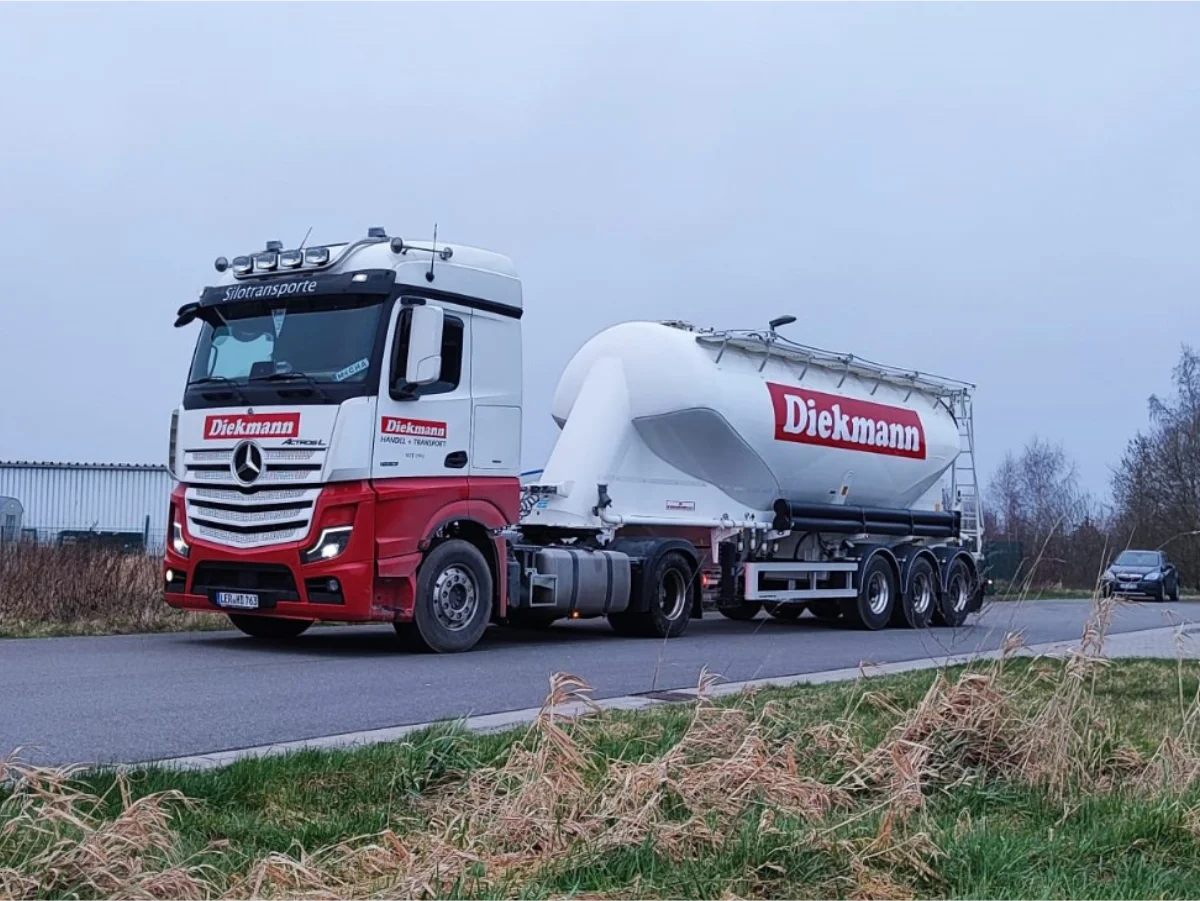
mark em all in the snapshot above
pixel 1156 487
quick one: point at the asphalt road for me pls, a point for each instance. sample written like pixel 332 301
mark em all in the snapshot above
pixel 124 699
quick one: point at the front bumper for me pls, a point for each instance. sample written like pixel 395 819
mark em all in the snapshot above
pixel 346 588
pixel 1138 589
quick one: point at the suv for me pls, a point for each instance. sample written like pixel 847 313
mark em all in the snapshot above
pixel 1142 574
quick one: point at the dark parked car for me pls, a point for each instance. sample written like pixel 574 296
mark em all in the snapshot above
pixel 1142 574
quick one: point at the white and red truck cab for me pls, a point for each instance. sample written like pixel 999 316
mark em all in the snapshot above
pixel 349 443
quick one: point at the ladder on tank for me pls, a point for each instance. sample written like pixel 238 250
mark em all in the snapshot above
pixel 964 482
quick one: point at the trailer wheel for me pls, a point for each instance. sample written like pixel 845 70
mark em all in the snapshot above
pixel 951 609
pixel 915 609
pixel 273 628
pixel 877 595
pixel 746 610
pixel 826 610
pixel 668 590
pixel 784 611
pixel 454 598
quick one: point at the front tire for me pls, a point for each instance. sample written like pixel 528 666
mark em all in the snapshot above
pixel 454 598
pixel 667 592
pixel 915 610
pixel 1175 594
pixel 270 628
pixel 877 596
pixel 951 609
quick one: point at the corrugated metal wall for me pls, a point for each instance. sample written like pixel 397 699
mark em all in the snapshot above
pixel 106 498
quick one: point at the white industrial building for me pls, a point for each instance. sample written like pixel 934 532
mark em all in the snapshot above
pixel 60 500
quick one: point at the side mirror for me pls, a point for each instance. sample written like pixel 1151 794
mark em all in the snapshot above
pixel 186 314
pixel 424 365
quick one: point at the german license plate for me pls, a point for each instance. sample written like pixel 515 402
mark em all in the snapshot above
pixel 237 600
pixel 1127 586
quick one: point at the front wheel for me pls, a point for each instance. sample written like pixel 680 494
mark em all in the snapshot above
pixel 454 598
pixel 1175 594
pixel 272 628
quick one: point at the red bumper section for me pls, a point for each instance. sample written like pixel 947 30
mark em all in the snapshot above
pixel 345 588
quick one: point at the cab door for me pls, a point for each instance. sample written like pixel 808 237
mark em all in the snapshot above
pixel 424 431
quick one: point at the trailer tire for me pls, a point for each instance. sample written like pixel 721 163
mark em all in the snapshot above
pixel 742 612
pixel 954 602
pixel 667 588
pixel 453 605
pixel 915 610
pixel 785 612
pixel 826 610
pixel 270 628
pixel 877 596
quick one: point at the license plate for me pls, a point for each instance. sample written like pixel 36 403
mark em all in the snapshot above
pixel 237 601
pixel 1127 586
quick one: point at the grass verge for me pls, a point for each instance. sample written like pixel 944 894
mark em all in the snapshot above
pixel 1014 778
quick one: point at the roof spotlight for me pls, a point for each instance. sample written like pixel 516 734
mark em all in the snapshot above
pixel 316 256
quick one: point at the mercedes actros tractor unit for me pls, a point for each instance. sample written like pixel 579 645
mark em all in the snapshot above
pixel 348 449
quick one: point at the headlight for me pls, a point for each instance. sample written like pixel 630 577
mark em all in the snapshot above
pixel 1108 575
pixel 1152 577
pixel 178 544
pixel 331 543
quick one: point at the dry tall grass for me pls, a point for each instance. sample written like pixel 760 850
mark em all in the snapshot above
pixel 46 589
pixel 559 800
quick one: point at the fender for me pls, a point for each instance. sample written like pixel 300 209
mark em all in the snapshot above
pixel 871 551
pixel 908 556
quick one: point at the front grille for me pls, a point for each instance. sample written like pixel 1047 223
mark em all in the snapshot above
pixel 280 464
pixel 256 577
pixel 250 517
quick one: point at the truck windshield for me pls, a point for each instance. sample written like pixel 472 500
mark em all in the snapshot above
pixel 326 339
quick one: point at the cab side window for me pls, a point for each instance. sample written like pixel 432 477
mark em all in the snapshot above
pixel 452 354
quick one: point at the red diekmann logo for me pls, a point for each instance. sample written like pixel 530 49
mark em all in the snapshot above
pixel 253 425
pixel 830 420
pixel 414 428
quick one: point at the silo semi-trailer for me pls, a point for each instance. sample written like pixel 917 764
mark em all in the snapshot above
pixel 789 477
pixel 348 449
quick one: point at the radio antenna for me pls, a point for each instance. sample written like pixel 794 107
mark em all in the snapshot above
pixel 432 256
pixel 305 241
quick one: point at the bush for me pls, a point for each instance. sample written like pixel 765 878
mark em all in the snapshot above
pixel 49 589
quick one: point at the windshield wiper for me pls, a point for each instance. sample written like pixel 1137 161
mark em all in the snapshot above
pixel 221 380
pixel 292 377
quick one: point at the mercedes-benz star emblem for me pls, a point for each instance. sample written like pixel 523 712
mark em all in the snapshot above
pixel 247 462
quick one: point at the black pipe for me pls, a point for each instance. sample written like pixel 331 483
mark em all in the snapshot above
pixel 878 520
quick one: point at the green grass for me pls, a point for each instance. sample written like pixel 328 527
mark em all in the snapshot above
pixel 995 836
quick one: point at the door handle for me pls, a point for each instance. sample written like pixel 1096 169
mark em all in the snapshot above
pixel 456 460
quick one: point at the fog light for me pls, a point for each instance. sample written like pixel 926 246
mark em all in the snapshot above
pixel 170 575
pixel 333 586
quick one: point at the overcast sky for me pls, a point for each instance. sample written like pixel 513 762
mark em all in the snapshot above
pixel 1008 194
